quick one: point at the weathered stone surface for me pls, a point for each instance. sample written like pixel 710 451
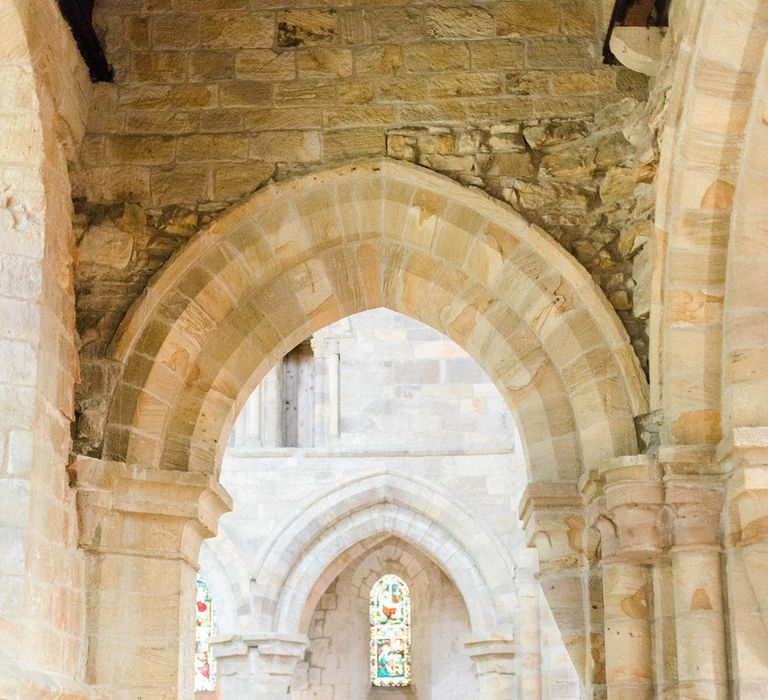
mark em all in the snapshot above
pixel 238 31
pixel 232 182
pixel 319 61
pixel 106 245
pixel 304 27
pixel 459 22
pixel 520 107
pixel 264 64
pixel 524 18
pixel 292 146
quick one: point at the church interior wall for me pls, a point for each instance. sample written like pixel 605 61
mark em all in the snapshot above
pixel 45 99
pixel 652 564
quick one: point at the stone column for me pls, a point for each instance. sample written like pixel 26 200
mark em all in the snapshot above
pixel 528 627
pixel 631 538
pixel 258 667
pixel 327 388
pixel 141 530
pixel 494 659
pixel 552 515
pixel 743 459
pixel 695 495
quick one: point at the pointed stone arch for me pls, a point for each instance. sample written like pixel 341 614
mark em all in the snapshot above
pixel 304 253
pixel 317 543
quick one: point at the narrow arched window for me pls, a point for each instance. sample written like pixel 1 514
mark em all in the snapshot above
pixel 390 616
pixel 205 665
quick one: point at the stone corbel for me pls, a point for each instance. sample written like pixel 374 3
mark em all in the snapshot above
pixel 638 48
pixel 93 495
pixel 553 517
pixel 176 509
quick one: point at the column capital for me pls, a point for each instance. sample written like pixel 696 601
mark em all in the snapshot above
pixel 553 520
pixel 270 644
pixel 743 448
pixel 489 649
pixel 694 494
pixel 681 461
pixel 494 659
pixel 258 665
pixel 178 509
pixel 633 503
pixel 743 459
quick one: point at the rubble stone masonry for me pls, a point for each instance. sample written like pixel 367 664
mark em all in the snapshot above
pixel 211 100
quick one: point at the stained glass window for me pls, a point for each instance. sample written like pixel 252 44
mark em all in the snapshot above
pixel 205 664
pixel 390 615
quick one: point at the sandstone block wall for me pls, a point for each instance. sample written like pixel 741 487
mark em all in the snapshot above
pixel 44 100
pixel 211 101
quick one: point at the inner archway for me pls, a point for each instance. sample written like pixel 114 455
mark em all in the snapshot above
pixel 410 443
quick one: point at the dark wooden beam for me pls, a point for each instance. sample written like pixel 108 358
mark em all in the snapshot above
pixel 79 17
pixel 635 13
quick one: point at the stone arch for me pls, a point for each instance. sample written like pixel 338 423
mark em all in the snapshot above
pixel 722 46
pixel 745 338
pixel 390 555
pixel 318 543
pixel 304 253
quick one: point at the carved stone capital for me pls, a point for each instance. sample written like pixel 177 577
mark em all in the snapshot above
pixel 632 504
pixel 278 646
pixel 152 512
pixel 494 654
pixel 694 494
pixel 553 519
pixel 494 659
pixel 265 662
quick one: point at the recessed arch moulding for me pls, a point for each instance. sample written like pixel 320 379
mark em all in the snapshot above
pixel 323 537
pixel 299 255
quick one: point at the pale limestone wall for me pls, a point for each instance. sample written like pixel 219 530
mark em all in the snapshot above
pixel 45 95
pixel 337 666
pixel 411 403
pixel 400 387
pixel 502 95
